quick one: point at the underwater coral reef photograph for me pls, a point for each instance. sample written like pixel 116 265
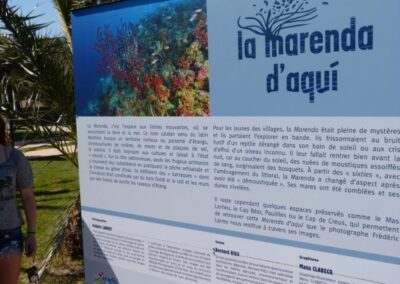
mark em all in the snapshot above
pixel 149 60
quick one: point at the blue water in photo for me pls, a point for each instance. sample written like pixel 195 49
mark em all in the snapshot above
pixel 85 25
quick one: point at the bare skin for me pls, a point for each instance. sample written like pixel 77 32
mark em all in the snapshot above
pixel 28 199
pixel 9 269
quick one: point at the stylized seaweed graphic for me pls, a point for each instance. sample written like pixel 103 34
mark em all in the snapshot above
pixel 277 15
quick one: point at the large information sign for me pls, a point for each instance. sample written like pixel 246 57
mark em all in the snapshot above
pixel 239 141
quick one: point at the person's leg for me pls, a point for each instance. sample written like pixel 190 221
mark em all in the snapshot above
pixel 11 246
pixel 9 268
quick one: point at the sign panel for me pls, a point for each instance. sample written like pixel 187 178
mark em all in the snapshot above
pixel 233 141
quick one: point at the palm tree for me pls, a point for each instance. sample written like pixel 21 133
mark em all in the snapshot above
pixel 36 87
pixel 36 80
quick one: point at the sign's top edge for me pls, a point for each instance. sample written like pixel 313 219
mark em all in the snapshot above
pixel 133 2
pixel 96 5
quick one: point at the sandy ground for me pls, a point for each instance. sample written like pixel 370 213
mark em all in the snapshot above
pixel 30 152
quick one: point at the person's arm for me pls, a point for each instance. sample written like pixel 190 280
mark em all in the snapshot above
pixel 28 199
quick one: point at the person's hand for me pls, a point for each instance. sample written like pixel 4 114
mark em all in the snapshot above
pixel 30 245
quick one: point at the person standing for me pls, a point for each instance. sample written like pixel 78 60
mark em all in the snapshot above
pixel 15 176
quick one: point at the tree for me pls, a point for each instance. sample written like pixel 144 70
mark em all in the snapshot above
pixel 36 80
pixel 276 15
pixel 36 86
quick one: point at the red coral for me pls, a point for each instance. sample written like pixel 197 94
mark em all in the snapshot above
pixel 185 62
pixel 203 73
pixel 201 36
pixel 120 55
pixel 172 80
pixel 157 82
pixel 163 93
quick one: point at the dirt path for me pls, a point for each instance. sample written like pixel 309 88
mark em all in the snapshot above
pixel 43 150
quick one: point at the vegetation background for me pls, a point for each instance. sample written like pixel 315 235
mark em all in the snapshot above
pixel 56 190
pixel 36 93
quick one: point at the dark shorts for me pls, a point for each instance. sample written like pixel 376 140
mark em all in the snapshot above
pixel 11 242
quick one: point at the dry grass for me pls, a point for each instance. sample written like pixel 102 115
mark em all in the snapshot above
pixel 64 270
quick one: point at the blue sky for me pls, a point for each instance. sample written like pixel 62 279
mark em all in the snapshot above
pixel 44 7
